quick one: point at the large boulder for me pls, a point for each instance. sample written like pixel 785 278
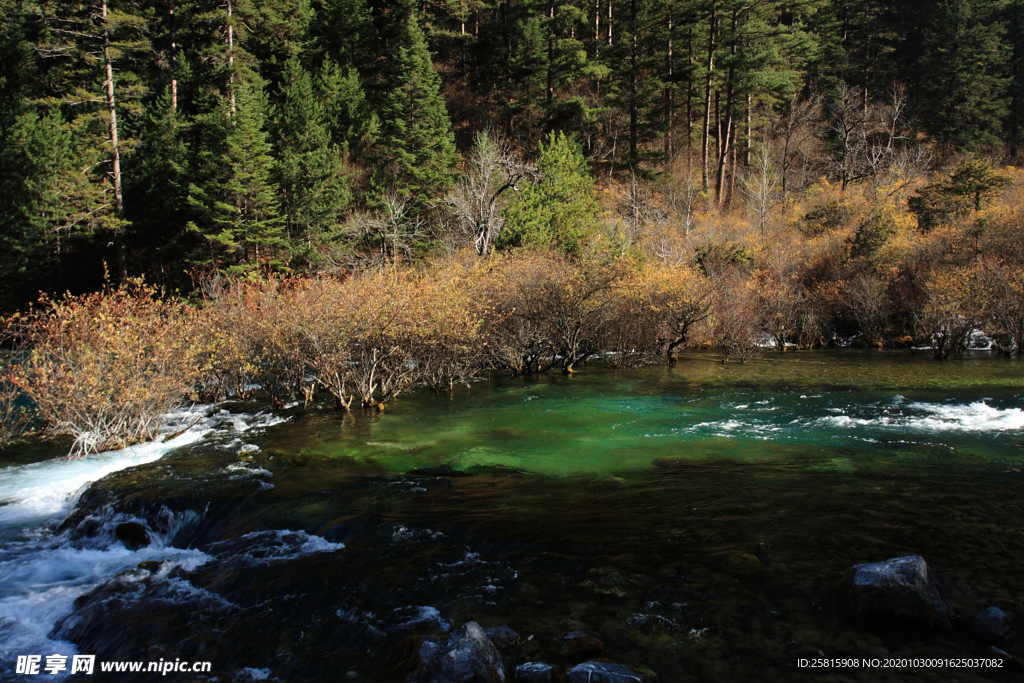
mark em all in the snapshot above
pixel 467 657
pixel 533 672
pixel 603 672
pixel 901 590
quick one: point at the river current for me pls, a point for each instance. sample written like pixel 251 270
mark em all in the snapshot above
pixel 307 545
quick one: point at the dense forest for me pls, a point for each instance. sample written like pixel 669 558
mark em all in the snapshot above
pixel 352 196
pixel 172 138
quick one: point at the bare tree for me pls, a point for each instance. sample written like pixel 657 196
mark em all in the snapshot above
pixel 493 168
pixel 792 132
pixel 761 186
pixel 848 125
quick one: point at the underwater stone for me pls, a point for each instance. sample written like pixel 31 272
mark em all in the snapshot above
pixel 742 564
pixel 603 672
pixel 533 672
pixel 502 636
pixel 578 643
pixel 992 624
pixel 132 534
pixel 467 656
pixel 899 589
pixel 429 649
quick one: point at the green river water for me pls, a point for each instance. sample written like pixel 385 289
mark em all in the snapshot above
pixel 610 502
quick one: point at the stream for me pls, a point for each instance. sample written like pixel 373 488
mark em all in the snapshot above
pixel 309 545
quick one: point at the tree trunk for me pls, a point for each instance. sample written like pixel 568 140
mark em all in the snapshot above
pixel 669 89
pixel 231 61
pixel 634 75
pixel 707 98
pixel 551 51
pixel 174 59
pixel 114 150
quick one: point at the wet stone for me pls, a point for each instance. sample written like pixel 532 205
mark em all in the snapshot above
pixel 467 656
pixel 502 637
pixel 533 672
pixel 603 672
pixel 579 643
pixel 430 648
pixel 133 534
pixel 992 625
pixel 900 589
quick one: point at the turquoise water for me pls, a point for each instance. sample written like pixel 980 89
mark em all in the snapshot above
pixel 312 545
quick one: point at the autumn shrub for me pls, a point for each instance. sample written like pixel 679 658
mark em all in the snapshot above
pixel 518 333
pixel 680 298
pixel 955 303
pixel 104 368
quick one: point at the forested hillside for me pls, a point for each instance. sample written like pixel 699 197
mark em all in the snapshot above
pixel 171 139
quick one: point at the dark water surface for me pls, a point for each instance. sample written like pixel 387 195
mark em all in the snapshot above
pixel 609 502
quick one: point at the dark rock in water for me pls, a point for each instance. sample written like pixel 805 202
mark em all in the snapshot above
pixel 993 625
pixel 502 637
pixel 533 672
pixel 430 648
pixel 603 672
pixel 468 656
pixel 900 589
pixel 151 566
pixel 89 527
pixel 742 564
pixel 579 643
pixel 132 534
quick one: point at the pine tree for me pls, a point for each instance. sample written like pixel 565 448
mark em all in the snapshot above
pixel 311 171
pixel 963 72
pixel 559 209
pixel 416 152
pixel 236 208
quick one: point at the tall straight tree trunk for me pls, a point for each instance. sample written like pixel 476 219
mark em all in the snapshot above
pixel 597 28
pixel 634 75
pixel 669 88
pixel 174 58
pixel 706 133
pixel 231 61
pixel 689 92
pixel 115 149
pixel 609 22
pixel 551 51
pixel 726 141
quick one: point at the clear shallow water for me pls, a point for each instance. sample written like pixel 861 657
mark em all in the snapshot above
pixel 607 502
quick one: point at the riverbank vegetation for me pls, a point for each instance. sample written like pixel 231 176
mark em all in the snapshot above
pixel 353 197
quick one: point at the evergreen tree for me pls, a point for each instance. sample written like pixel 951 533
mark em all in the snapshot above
pixel 310 172
pixel 416 152
pixel 559 209
pixel 963 79
pixel 236 208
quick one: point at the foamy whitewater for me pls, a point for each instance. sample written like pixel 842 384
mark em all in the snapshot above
pixel 42 573
pixel 866 423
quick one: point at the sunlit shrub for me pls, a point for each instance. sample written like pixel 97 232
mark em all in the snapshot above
pixel 105 367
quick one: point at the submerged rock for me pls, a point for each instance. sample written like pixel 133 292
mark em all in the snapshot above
pixel 468 656
pixel 533 672
pixel 993 625
pixel 133 534
pixel 603 672
pixel 502 636
pixel 742 564
pixel 899 589
pixel 579 643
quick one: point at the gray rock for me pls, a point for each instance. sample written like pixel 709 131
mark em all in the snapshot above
pixel 601 672
pixel 430 648
pixel 901 589
pixel 502 636
pixel 993 625
pixel 533 672
pixel 467 657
